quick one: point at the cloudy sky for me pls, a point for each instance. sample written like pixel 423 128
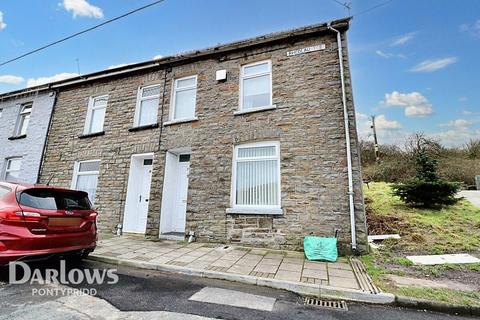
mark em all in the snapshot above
pixel 415 64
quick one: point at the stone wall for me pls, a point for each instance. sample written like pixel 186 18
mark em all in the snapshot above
pixel 307 121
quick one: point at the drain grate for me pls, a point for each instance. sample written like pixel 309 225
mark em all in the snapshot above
pixel 330 304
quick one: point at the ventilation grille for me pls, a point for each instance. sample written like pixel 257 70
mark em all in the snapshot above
pixel 330 304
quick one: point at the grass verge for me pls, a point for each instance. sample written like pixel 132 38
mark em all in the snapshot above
pixel 452 229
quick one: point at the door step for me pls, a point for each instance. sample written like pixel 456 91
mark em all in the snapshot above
pixel 175 236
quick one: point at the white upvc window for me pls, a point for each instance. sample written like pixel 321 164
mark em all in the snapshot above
pixel 256 86
pixel 146 110
pixel 184 98
pixel 95 114
pixel 85 177
pixel 256 177
pixel 23 120
pixel 12 169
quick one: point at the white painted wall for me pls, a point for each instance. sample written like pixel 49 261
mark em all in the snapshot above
pixel 31 147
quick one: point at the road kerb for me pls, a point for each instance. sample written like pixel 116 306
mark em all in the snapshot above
pixel 316 290
pixel 416 303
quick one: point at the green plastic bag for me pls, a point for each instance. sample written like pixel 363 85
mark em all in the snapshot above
pixel 319 248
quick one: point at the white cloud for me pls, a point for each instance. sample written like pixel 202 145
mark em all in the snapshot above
pixel 388 55
pixel 403 39
pixel 457 123
pixel 82 8
pixel 11 79
pixel 2 24
pixel 382 123
pixel 467 113
pixel 433 65
pixel 113 66
pixel 388 131
pixel 456 136
pixel 158 56
pixel 415 104
pixel 473 29
pixel 57 77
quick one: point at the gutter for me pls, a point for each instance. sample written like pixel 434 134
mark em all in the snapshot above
pixel 347 140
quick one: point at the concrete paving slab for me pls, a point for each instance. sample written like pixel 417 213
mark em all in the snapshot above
pixel 339 265
pixel 341 273
pixel 291 267
pixel 343 282
pixel 319 274
pixel 315 265
pixel 234 298
pixel 266 268
pixel 443 259
pixel 288 275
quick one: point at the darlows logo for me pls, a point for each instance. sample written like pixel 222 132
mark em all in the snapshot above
pixel 60 276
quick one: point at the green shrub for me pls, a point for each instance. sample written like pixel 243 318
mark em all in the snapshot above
pixel 426 189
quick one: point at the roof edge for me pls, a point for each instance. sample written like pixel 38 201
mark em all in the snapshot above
pixel 340 24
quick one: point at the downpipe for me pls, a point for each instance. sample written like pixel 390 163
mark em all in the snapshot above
pixel 347 141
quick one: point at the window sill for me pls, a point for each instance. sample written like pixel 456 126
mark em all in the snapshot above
pixel 171 122
pixel 89 135
pixel 17 137
pixel 144 127
pixel 257 109
pixel 265 211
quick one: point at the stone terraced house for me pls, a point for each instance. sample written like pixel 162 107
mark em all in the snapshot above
pixel 24 120
pixel 240 143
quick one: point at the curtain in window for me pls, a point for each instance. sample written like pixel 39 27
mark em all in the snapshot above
pixel 148 112
pixel 185 104
pixel 88 183
pixel 257 178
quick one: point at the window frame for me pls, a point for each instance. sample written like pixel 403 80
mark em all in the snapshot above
pixel 90 111
pixel 171 117
pixel 9 160
pixel 253 209
pixel 241 108
pixel 138 106
pixel 22 115
pixel 77 172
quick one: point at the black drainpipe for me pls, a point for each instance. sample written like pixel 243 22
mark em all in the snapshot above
pixel 42 158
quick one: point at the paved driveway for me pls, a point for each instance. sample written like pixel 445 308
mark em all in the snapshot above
pixel 471 195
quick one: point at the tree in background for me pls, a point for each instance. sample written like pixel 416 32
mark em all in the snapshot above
pixel 426 189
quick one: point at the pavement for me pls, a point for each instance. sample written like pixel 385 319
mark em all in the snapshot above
pixel 279 269
pixel 471 195
pixel 150 294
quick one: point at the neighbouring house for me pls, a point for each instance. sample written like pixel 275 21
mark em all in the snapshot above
pixel 24 120
pixel 239 143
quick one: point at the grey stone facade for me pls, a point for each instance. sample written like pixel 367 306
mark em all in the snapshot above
pixel 307 121
pixel 30 147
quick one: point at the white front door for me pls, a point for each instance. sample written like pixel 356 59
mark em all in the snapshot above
pixel 180 205
pixel 175 193
pixel 138 194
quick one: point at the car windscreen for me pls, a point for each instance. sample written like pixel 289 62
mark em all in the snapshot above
pixel 50 199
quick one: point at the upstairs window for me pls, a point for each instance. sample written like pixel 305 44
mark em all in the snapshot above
pixel 95 114
pixel 256 175
pixel 256 85
pixel 184 98
pixel 12 169
pixel 23 120
pixel 147 106
pixel 85 177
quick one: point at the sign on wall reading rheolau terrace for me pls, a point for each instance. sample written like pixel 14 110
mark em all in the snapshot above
pixel 318 47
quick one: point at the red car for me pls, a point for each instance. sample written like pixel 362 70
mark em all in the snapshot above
pixel 37 222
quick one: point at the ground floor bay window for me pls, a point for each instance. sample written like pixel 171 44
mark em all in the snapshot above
pixel 85 177
pixel 256 178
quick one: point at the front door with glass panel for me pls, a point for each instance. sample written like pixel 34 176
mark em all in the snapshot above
pixel 138 194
